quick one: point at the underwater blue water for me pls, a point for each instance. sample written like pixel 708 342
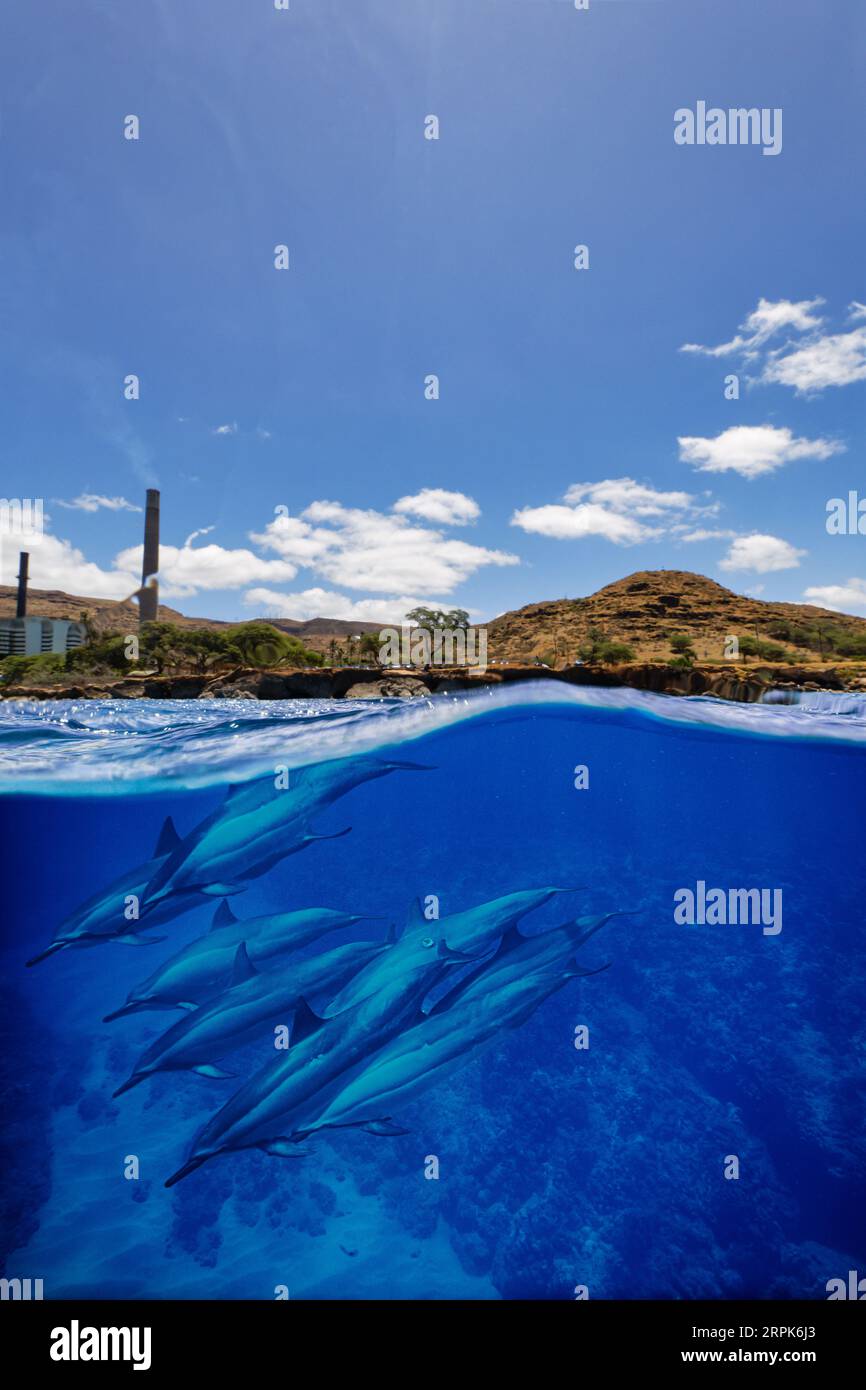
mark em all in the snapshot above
pixel 559 1166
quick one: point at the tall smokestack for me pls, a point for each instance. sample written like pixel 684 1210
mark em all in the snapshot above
pixel 23 569
pixel 148 603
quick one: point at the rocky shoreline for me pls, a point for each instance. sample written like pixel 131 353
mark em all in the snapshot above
pixel 740 684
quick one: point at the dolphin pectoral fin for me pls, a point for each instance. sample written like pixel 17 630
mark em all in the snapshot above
pixel 578 971
pixel 386 1128
pixel 186 1004
pixel 168 840
pixel 220 890
pixel 281 1148
pixel 444 952
pixel 338 835
pixel 131 940
pixel 223 917
pixel 214 1073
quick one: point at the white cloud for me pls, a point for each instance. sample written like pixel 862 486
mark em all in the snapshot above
pixel 93 501
pixel 769 318
pixel 836 359
pixel 615 509
pixel 856 311
pixel 365 549
pixel 441 507
pixel 845 598
pixel 761 554
pixel 325 603
pixel 751 450
pixel 188 569
pixel 225 429
pixel 702 534
pixel 57 564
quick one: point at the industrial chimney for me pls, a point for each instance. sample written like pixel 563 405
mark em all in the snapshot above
pixel 148 602
pixel 23 568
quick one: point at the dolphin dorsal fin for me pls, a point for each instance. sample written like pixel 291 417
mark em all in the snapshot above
pixel 305 1021
pixel 242 968
pixel 168 839
pixel 223 917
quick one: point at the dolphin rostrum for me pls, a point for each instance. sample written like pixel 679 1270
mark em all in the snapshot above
pixel 103 917
pixel 257 826
pixel 205 965
pixel 253 1004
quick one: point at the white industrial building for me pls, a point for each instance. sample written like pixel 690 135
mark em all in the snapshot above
pixel 30 636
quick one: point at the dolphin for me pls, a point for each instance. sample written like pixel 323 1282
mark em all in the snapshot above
pixel 323 1048
pixel 205 965
pixel 458 939
pixel 102 917
pixel 254 1003
pixel 257 826
pixel 522 975
pixel 518 955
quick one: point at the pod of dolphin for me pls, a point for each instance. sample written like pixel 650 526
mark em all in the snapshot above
pixel 370 1046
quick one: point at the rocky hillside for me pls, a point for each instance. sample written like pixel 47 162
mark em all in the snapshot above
pixel 645 609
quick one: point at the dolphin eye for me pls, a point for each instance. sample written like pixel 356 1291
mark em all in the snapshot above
pixel 428 941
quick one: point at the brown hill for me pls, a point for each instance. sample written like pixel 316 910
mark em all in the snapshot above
pixel 645 609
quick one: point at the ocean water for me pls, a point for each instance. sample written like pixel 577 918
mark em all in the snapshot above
pixel 711 1048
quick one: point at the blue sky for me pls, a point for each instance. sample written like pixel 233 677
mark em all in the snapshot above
pixel 303 389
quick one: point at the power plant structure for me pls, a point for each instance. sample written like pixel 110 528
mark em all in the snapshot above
pixel 148 595
pixel 25 635
pixel 31 636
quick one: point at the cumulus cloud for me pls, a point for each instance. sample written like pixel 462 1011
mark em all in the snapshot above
pixel 751 450
pixel 57 564
pixel 856 311
pixel 94 501
pixel 844 598
pixel 762 554
pixel 441 507
pixel 325 603
pixel 617 509
pixel 189 569
pixel 836 359
pixel 378 551
pixel 770 317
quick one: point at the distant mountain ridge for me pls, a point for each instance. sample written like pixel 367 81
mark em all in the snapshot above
pixel 642 610
pixel 117 615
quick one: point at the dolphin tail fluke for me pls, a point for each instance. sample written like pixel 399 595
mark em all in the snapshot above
pixel 134 1080
pixel 188 1167
pixel 49 951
